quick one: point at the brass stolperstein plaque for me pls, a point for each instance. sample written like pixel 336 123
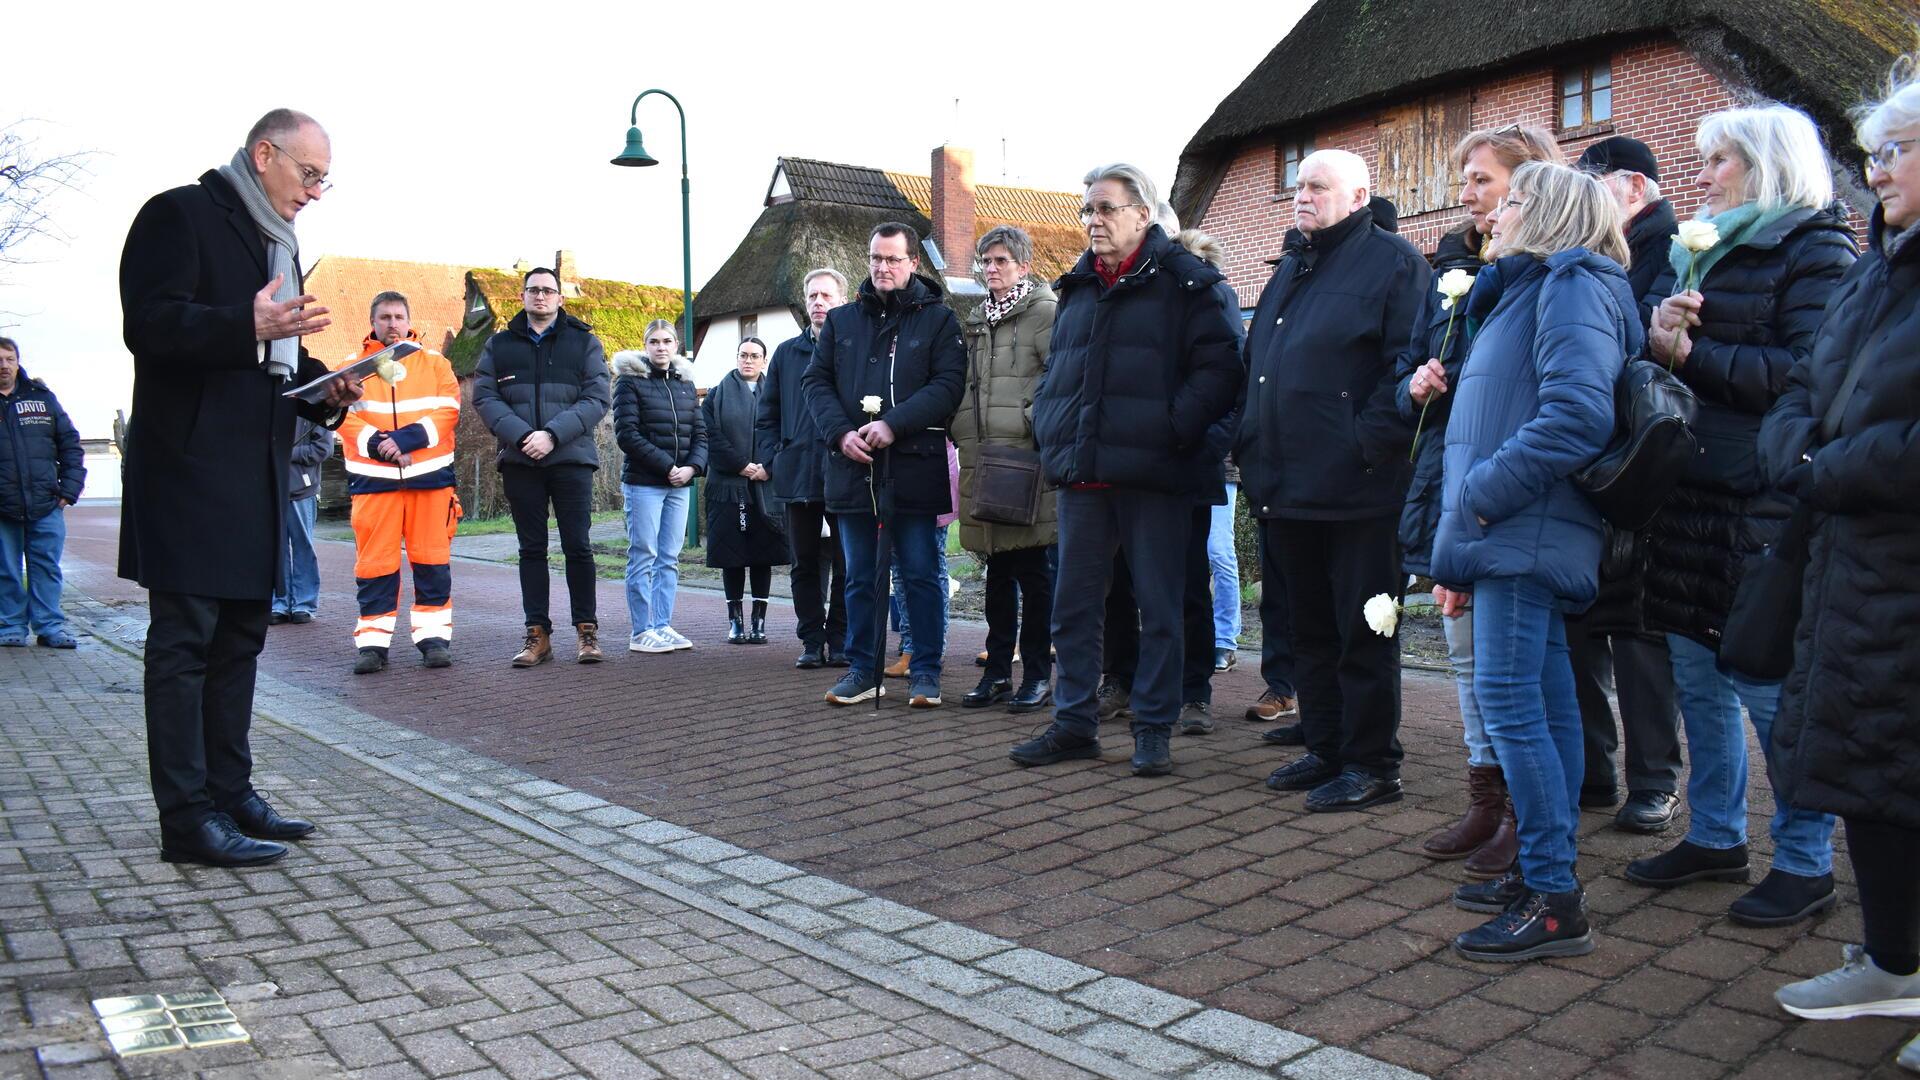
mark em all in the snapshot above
pixel 192 1000
pixel 213 1034
pixel 203 1014
pixel 128 1006
pixel 152 1041
pixel 120 1025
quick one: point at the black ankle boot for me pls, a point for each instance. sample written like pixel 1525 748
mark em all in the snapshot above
pixel 736 627
pixel 1536 926
pixel 758 635
pixel 1782 899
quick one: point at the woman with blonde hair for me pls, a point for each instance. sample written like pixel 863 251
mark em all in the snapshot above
pixel 1534 404
pixel 656 419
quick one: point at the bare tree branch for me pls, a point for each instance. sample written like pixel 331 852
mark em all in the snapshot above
pixel 29 184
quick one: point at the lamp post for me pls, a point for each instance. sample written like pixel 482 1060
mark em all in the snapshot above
pixel 636 155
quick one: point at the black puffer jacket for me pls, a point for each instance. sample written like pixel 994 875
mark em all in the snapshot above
pixel 1321 438
pixel 785 438
pixel 919 385
pixel 1420 518
pixel 1848 734
pixel 40 458
pixel 1649 237
pixel 656 420
pixel 558 385
pixel 1138 373
pixel 1763 304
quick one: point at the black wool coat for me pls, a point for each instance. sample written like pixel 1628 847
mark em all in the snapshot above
pixel 1140 374
pixel 919 385
pixel 1764 302
pixel 745 525
pixel 210 437
pixel 1847 738
pixel 786 439
pixel 1322 438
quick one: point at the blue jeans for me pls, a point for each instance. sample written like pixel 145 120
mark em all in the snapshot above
pixel 656 528
pixel 1523 677
pixel 1225 561
pixel 1717 751
pixel 299 586
pixel 917 555
pixel 1473 726
pixel 35 545
pixel 897 602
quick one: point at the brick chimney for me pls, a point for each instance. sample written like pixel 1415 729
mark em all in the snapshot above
pixel 568 271
pixel 953 208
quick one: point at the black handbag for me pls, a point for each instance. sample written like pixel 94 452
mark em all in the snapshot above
pixel 1006 479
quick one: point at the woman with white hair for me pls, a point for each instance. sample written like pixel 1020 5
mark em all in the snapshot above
pixel 1845 440
pixel 1534 404
pixel 1742 308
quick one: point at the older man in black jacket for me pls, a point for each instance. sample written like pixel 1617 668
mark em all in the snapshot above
pixel 887 374
pixel 213 313
pixel 41 472
pixel 1323 463
pixel 788 441
pixel 1145 360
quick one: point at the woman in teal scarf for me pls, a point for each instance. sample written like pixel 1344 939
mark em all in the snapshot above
pixel 1742 306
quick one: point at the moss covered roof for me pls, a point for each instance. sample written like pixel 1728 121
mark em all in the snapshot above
pixel 617 310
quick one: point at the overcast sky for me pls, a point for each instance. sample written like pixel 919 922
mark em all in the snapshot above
pixel 477 134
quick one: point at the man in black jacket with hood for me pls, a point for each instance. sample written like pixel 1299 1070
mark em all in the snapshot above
pixel 41 473
pixel 1323 464
pixel 887 375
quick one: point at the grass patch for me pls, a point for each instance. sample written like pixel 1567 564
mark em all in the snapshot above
pixel 504 523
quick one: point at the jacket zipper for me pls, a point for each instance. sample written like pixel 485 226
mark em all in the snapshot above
pixel 22 467
pixel 673 407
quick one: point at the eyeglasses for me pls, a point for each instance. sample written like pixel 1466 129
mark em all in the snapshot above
pixel 310 177
pixel 997 260
pixel 1103 211
pixel 541 290
pixel 888 261
pixel 1887 158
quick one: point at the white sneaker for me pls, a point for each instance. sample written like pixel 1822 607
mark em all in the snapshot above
pixel 651 641
pixel 1856 988
pixel 675 637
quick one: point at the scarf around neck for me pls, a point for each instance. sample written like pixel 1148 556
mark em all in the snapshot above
pixel 995 310
pixel 1737 226
pixel 280 357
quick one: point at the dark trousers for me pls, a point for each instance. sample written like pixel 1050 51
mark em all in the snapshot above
pixel 1020 593
pixel 1886 864
pixel 818 574
pixel 202 653
pixel 734 580
pixel 1641 672
pixel 1120 654
pixel 1348 676
pixel 1276 624
pixel 569 488
pixel 1152 530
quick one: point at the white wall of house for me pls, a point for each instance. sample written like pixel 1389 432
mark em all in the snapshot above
pixel 715 359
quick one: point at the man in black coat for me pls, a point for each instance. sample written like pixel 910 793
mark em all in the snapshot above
pixel 1323 460
pixel 788 441
pixel 541 387
pixel 41 472
pixel 887 375
pixel 1608 640
pixel 212 309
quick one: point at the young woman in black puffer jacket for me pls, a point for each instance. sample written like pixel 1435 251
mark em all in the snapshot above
pixel 656 419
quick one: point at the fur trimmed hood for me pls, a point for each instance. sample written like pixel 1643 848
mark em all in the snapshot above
pixel 1203 246
pixel 634 362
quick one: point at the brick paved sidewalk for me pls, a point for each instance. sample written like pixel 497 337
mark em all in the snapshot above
pixel 1203 885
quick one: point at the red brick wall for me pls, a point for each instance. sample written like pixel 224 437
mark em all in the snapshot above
pixel 1659 93
pixel 951 179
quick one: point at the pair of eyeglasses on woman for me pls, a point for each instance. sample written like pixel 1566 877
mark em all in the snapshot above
pixel 1887 158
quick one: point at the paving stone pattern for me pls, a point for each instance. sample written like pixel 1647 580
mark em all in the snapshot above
pixel 1204 885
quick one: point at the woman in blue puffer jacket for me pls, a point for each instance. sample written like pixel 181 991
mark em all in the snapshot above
pixel 1535 403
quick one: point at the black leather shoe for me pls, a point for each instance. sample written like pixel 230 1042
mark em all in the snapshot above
pixel 277 618
pixel 833 657
pixel 1782 899
pixel 1055 745
pixel 1353 790
pixel 1033 695
pixel 1689 862
pixel 218 842
pixel 1490 897
pixel 1285 735
pixel 1647 812
pixel 256 818
pixel 1303 774
pixel 991 691
pixel 300 618
pixel 1151 754
pixel 810 658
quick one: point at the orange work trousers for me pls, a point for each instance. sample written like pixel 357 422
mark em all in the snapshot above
pixel 424 521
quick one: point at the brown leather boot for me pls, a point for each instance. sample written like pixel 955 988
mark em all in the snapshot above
pixel 1486 791
pixel 1498 855
pixel 538 649
pixel 589 642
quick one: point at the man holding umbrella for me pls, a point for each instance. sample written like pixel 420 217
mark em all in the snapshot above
pixel 887 376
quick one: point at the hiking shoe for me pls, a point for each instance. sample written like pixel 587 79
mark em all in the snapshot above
pixel 1493 896
pixel 1151 755
pixel 1055 745
pixel 1113 702
pixel 925 693
pixel 1195 719
pixel 589 642
pixel 370 660
pixel 854 687
pixel 1856 988
pixel 1688 861
pixel 651 641
pixel 1782 899
pixel 1537 925
pixel 434 654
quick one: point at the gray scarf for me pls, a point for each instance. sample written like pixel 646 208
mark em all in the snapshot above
pixel 283 356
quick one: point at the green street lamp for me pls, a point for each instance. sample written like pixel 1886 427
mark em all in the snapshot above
pixel 636 155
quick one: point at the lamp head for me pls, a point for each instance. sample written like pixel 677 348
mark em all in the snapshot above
pixel 635 154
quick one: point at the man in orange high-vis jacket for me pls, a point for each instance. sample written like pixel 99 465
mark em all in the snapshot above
pixel 398 445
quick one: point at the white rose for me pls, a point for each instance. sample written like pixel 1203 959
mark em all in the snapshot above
pixel 870 404
pixel 1698 236
pixel 390 372
pixel 1453 285
pixel 1383 615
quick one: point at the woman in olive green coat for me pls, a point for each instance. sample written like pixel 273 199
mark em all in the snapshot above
pixel 1007 338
